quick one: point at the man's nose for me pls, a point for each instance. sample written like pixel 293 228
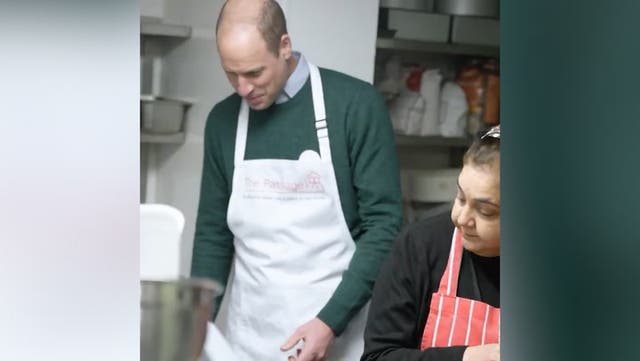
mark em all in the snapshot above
pixel 244 87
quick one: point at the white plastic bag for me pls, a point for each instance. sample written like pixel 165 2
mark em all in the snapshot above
pixel 406 112
pixel 430 93
pixel 407 109
pixel 453 110
pixel 393 81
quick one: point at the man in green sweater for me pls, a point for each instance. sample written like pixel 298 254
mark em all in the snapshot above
pixel 300 193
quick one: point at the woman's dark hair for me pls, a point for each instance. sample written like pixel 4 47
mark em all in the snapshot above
pixel 485 149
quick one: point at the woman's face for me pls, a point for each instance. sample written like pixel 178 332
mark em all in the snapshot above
pixel 476 210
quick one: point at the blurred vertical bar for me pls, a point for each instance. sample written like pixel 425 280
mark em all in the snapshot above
pixel 69 188
pixel 570 177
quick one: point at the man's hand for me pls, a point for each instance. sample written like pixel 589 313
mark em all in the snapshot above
pixel 488 352
pixel 317 337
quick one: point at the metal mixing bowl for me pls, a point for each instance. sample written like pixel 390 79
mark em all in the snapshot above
pixel 174 318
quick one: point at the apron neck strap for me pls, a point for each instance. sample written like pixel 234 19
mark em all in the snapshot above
pixel 449 280
pixel 241 132
pixel 318 110
pixel 320 113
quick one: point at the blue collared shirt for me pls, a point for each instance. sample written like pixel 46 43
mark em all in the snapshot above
pixel 296 79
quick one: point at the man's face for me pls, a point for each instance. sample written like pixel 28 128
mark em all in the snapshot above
pixel 255 73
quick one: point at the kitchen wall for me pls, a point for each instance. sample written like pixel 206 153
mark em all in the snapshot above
pixel 153 8
pixel 341 39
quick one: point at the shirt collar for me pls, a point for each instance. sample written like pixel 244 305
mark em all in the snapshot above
pixel 296 79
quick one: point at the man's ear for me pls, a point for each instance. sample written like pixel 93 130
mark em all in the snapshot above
pixel 285 46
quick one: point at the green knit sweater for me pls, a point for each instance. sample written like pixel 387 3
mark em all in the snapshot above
pixel 365 163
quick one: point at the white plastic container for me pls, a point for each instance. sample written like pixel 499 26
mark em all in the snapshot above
pixel 474 30
pixel 431 185
pixel 453 110
pixel 422 26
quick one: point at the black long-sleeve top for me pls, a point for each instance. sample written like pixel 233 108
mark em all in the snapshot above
pixel 402 294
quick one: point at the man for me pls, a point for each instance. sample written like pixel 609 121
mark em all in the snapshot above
pixel 300 189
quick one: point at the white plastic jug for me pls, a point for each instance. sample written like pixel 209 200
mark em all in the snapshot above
pixel 161 228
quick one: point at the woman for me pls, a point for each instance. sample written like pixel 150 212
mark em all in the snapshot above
pixel 438 295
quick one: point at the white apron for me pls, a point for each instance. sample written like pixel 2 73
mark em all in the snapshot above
pixel 292 245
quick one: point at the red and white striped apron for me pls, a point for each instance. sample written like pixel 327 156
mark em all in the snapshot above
pixel 457 321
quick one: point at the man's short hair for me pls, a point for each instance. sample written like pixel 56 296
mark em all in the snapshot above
pixel 271 24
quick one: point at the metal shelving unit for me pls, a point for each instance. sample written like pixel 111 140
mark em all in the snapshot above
pixel 175 138
pixel 387 44
pixel 156 28
pixel 434 47
pixel 158 36
pixel 415 5
pixel 431 141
